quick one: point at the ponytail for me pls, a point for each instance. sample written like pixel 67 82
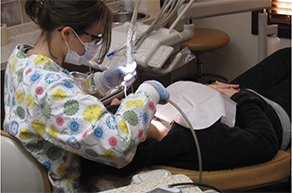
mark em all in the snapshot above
pixel 32 8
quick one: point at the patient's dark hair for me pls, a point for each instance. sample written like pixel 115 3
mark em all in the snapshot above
pixel 78 14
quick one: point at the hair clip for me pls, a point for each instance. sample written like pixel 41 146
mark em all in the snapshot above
pixel 41 2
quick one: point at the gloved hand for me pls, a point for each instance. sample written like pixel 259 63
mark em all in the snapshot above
pixel 163 93
pixel 115 76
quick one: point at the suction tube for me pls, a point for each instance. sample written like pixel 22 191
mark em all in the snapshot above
pixel 194 135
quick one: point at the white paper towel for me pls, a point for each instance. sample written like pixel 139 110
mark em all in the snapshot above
pixel 202 105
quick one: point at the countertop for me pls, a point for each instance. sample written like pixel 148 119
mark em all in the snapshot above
pixel 151 185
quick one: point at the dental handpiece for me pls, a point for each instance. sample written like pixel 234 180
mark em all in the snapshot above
pixel 130 71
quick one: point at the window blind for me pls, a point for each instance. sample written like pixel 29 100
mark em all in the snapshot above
pixel 281 11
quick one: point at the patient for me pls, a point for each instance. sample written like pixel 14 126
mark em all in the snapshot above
pixel 259 131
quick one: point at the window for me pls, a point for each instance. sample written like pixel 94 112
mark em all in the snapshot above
pixel 280 13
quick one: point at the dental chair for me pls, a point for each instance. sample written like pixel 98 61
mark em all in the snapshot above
pixel 272 172
pixel 20 171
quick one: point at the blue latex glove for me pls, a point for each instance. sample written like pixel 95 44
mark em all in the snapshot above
pixel 115 76
pixel 163 93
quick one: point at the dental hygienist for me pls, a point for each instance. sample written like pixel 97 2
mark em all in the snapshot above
pixel 52 114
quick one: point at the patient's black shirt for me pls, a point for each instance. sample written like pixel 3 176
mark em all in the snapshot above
pixel 255 138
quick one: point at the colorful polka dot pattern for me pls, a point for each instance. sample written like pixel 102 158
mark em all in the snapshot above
pixel 48 110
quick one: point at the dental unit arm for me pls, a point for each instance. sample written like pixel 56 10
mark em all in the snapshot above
pixel 156 48
pixel 152 44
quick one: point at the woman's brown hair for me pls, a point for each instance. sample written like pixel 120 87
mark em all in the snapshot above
pixel 78 14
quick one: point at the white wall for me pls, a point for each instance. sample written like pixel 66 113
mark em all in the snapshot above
pixel 143 5
pixel 242 51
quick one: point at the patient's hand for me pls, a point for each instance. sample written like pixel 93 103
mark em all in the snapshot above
pixel 226 89
pixel 222 85
pixel 116 101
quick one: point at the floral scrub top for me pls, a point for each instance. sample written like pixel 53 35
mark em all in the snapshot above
pixel 51 114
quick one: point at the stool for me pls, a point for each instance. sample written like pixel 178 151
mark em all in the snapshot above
pixel 205 40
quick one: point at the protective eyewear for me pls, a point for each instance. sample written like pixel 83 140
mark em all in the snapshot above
pixel 96 38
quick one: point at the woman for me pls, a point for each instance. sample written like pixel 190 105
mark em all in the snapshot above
pixel 262 126
pixel 50 112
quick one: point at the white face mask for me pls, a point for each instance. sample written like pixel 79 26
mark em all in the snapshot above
pixel 91 50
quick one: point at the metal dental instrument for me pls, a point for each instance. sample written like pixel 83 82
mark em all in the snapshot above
pixel 131 65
